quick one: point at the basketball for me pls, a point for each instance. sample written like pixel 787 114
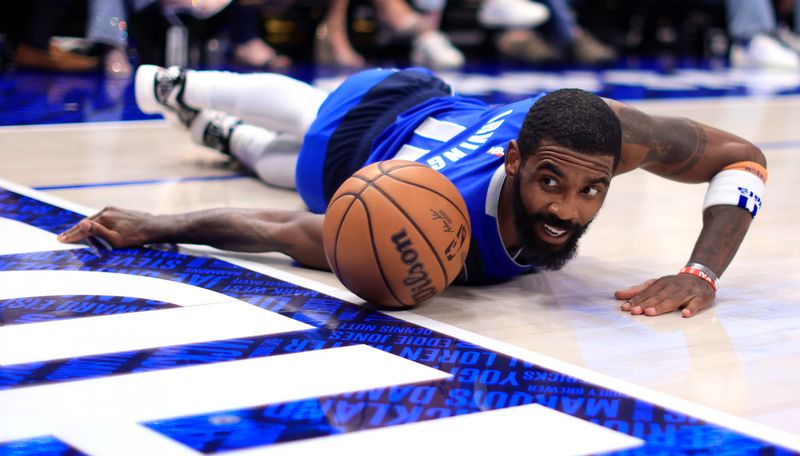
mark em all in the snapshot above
pixel 396 233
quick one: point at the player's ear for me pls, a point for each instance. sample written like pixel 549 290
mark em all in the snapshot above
pixel 512 158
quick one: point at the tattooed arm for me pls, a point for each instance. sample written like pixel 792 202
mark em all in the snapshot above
pixel 294 233
pixel 687 151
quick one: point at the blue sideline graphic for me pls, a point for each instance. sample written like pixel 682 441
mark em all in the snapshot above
pixel 481 379
pixel 38 446
pixel 31 97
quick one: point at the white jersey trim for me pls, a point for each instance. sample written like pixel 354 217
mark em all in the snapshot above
pixel 409 152
pixel 493 202
pixel 494 190
pixel 439 130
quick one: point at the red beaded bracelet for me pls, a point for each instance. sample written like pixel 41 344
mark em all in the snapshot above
pixel 702 274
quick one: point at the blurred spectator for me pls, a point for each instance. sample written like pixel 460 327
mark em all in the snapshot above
pixel 177 32
pixel 42 19
pixel 249 47
pixel 788 11
pixel 107 26
pixel 332 45
pixel 753 30
pixel 512 14
pixel 565 39
pixel 429 46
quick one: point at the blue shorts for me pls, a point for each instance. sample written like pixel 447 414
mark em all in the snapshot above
pixel 340 140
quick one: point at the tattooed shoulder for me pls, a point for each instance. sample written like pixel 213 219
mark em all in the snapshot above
pixel 671 142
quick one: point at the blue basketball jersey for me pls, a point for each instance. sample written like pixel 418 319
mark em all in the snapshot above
pixel 463 138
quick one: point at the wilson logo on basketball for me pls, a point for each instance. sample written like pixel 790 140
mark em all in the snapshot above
pixel 417 279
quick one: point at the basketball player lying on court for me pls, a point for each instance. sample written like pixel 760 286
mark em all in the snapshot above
pixel 533 173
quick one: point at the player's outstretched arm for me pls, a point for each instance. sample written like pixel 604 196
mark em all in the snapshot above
pixel 687 151
pixel 294 233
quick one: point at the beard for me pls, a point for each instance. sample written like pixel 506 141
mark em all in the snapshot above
pixel 532 249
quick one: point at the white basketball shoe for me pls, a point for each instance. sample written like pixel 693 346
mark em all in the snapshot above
pixel 160 91
pixel 434 50
pixel 764 52
pixel 512 13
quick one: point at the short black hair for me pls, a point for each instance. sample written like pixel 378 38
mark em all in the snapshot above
pixel 575 119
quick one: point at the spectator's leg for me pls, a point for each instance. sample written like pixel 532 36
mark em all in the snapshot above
pixel 752 26
pixel 35 49
pixel 332 44
pixel 107 25
pixel 249 47
pixel 748 18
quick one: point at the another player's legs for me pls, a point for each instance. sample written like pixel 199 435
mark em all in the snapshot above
pixel 272 156
pixel 272 101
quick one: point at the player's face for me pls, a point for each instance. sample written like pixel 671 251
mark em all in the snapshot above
pixel 557 193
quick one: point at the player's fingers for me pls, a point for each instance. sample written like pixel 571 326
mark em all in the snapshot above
pixel 82 229
pixel 99 230
pixel 662 305
pixel 628 293
pixel 76 233
pixel 694 306
pixel 668 299
pixel 658 300
pixel 635 303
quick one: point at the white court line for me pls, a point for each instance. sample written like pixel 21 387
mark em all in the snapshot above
pixel 702 412
pixel 19 237
pixel 117 439
pixel 736 423
pixel 110 125
pixel 45 198
pixel 527 429
pixel 108 334
pixel 188 391
pixel 21 284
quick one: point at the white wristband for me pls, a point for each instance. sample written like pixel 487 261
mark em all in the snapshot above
pixel 734 187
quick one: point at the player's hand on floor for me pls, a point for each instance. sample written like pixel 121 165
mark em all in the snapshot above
pixel 654 297
pixel 119 227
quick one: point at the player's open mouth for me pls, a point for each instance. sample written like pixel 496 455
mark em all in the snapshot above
pixel 551 234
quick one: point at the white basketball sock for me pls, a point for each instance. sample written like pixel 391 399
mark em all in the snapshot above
pixel 272 101
pixel 273 157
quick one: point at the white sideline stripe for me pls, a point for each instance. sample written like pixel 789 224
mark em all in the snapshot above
pixel 736 423
pixel 19 237
pixel 732 422
pixel 20 284
pixel 439 130
pixel 409 152
pixel 102 125
pixel 189 391
pixel 109 438
pixel 528 429
pixel 59 339
pixel 45 198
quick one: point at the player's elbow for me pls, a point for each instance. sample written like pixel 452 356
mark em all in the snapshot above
pixel 750 152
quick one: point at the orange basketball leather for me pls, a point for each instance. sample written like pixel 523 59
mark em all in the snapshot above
pixel 396 233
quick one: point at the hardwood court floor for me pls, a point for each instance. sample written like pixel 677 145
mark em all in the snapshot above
pixel 741 357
